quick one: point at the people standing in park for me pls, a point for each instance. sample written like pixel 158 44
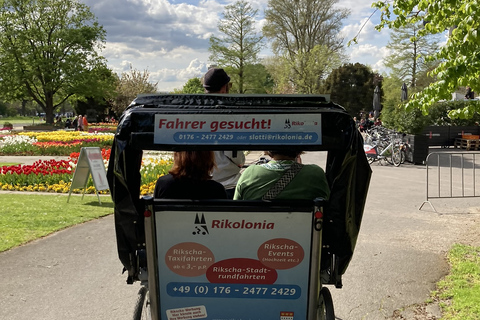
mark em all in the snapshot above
pixel 75 123
pixel 85 123
pixel 229 163
pixel 308 182
pixel 470 94
pixel 80 123
pixel 190 178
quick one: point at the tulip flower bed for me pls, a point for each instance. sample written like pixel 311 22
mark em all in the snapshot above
pixel 56 176
pixel 57 143
pixel 103 127
pixel 41 176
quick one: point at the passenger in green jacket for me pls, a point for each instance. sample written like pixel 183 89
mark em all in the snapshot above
pixel 309 183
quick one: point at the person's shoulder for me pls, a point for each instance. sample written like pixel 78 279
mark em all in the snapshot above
pixel 254 168
pixel 162 185
pixel 216 188
pixel 213 183
pixel 313 168
pixel 165 179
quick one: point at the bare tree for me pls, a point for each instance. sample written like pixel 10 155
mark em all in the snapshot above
pixel 297 28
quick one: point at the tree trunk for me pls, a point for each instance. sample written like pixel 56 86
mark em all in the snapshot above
pixel 24 105
pixel 49 119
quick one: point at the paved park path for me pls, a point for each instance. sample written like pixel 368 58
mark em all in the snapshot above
pixel 400 254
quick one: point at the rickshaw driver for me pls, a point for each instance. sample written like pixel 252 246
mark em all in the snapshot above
pixel 229 163
pixel 308 183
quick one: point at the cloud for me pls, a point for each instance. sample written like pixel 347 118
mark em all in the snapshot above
pixel 359 9
pixel 156 24
pixel 169 38
pixel 365 32
pixel 370 55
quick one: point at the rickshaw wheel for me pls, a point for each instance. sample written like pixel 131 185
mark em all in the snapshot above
pixel 325 309
pixel 142 307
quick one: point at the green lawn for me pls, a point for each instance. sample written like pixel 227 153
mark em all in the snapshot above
pixel 26 217
pixel 459 291
pixel 2 164
pixel 25 120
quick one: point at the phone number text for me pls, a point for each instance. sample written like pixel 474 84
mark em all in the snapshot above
pixel 215 290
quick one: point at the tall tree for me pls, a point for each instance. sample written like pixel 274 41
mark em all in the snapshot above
pixel 408 55
pixel 460 55
pixel 257 79
pixel 193 85
pixel 352 87
pixel 311 68
pixel 297 27
pixel 129 86
pixel 279 69
pixel 48 51
pixel 239 44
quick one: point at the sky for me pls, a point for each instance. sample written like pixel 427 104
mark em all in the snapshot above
pixel 170 38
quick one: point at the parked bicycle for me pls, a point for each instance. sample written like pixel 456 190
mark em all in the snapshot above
pixel 383 144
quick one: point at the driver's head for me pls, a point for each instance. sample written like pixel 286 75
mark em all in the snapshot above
pixel 284 154
pixel 216 80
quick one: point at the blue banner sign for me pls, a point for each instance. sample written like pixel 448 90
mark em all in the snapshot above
pixel 257 129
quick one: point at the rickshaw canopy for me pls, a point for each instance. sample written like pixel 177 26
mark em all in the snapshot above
pixel 175 122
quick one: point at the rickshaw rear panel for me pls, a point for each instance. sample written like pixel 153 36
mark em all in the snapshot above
pixel 347 170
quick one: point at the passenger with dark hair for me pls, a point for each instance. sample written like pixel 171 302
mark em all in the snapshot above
pixel 190 178
pixel 308 182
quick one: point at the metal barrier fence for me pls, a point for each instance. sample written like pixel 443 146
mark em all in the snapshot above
pixel 452 175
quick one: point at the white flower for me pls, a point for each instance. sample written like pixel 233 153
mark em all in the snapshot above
pixel 13 140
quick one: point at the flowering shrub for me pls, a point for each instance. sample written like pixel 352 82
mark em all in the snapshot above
pixel 7 126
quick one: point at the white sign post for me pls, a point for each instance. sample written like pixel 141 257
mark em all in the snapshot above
pixel 89 162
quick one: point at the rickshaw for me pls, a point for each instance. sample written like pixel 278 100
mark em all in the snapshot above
pixel 237 259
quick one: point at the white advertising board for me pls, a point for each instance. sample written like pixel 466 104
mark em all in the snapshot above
pixel 219 265
pixel 234 129
pixel 89 162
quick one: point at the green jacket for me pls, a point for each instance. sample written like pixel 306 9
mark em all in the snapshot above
pixel 309 183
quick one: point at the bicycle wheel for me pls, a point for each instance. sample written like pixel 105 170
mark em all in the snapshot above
pixel 396 156
pixel 142 306
pixel 388 155
pixel 403 156
pixel 325 309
